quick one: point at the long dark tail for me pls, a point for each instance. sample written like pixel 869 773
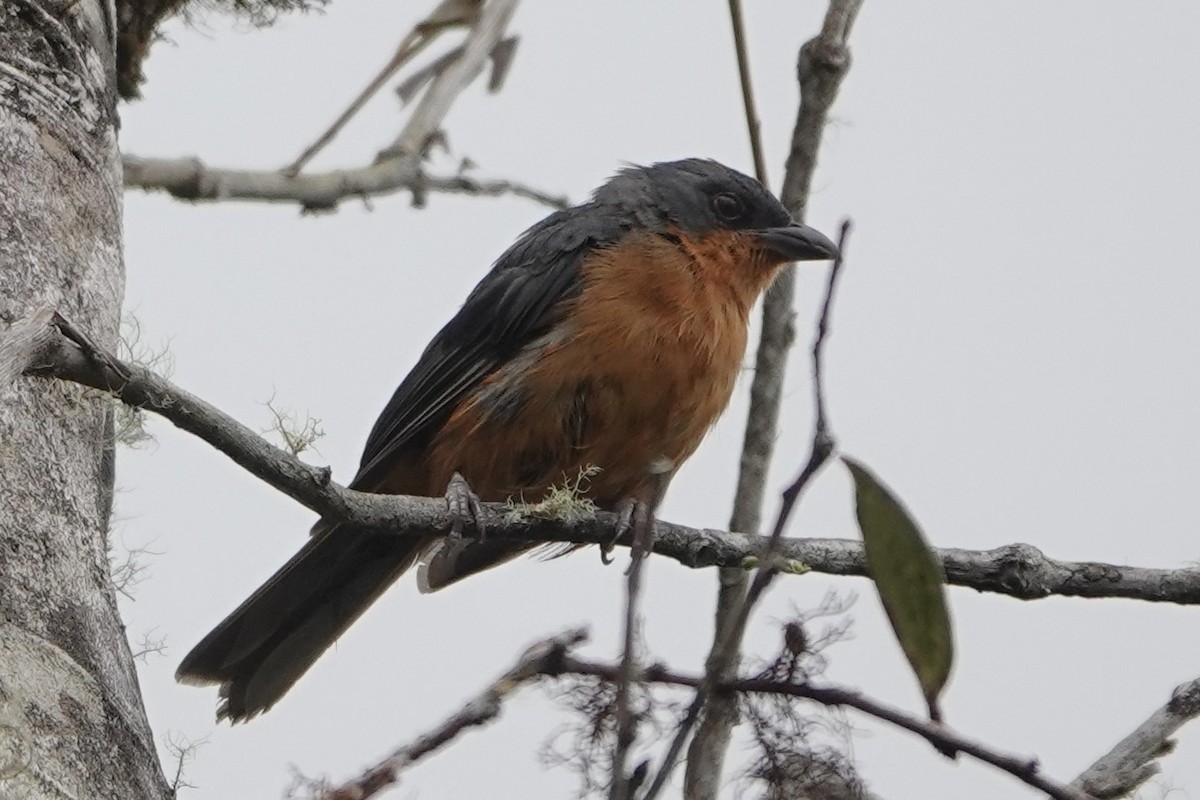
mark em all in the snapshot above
pixel 263 647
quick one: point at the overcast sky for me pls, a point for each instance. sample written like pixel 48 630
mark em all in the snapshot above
pixel 1015 352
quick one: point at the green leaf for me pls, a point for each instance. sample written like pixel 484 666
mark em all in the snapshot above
pixel 909 578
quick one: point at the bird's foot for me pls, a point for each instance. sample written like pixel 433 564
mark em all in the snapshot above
pixel 463 506
pixel 630 513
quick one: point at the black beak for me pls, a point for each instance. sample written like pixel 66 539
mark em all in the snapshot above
pixel 796 242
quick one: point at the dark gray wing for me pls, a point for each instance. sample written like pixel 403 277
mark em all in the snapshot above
pixel 514 304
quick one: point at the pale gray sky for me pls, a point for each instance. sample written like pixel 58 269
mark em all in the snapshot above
pixel 1015 352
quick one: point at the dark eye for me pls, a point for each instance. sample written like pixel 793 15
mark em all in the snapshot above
pixel 728 207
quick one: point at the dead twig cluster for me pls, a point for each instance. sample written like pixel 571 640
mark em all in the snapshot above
pixel 399 166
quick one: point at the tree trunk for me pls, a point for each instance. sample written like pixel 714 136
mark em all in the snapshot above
pixel 72 723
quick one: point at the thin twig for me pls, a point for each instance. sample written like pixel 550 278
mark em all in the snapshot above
pixel 940 736
pixel 410 46
pixel 821 69
pixel 822 440
pixel 708 748
pixel 477 48
pixel 643 542
pixel 820 449
pixel 192 180
pixel 823 63
pixel 706 753
pixel 446 15
pixel 743 61
pixel 396 167
pixel 1130 763
pixel 729 636
pixel 36 346
pixel 543 658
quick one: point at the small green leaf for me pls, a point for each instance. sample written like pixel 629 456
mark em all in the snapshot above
pixel 909 579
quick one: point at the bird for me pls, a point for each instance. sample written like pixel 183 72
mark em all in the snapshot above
pixel 606 341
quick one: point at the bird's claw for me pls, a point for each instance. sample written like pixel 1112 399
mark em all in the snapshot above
pixel 627 511
pixel 463 506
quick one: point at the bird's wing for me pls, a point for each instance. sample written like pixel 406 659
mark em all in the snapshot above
pixel 513 304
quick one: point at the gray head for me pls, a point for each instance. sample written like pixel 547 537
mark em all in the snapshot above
pixel 699 196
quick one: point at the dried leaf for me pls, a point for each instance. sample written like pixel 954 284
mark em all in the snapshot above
pixel 414 83
pixel 448 14
pixel 502 57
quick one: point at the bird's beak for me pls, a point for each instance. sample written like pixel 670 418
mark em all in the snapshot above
pixel 796 242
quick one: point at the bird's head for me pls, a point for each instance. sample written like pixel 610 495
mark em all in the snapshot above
pixel 699 198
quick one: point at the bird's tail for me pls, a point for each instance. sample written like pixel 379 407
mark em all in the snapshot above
pixel 260 650
pixel 451 560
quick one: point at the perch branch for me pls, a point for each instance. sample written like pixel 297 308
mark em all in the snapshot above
pixel 45 345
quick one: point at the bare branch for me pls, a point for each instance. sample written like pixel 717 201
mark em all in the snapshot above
pixel 1128 765
pixel 397 167
pixel 798 753
pixel 477 48
pixel 642 524
pixel 184 751
pixel 416 40
pixel 823 64
pixel 190 179
pixel 38 346
pixel 47 345
pixel 150 645
pixel 748 106
pixel 128 567
pixel 26 342
pixel 822 445
pixel 620 788
pixel 464 184
pixel 706 754
pixel 939 735
pixel 543 658
pixel 732 618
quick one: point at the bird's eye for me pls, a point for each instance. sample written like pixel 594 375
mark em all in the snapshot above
pixel 728 207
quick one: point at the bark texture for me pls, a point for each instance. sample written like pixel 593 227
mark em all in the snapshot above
pixel 72 723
